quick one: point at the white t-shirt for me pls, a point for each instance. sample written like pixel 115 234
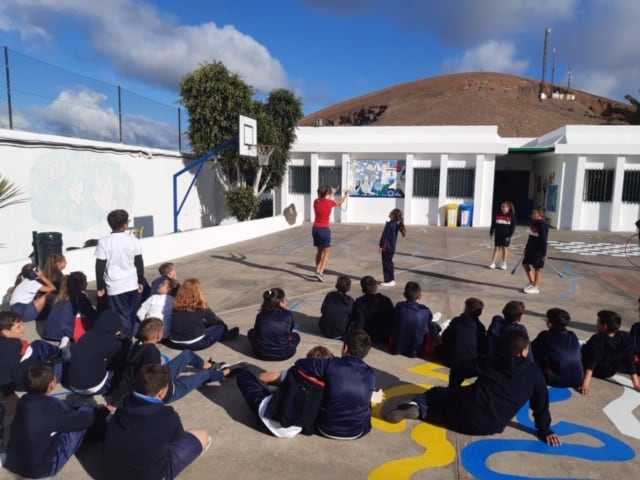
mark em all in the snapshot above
pixel 158 306
pixel 25 291
pixel 119 250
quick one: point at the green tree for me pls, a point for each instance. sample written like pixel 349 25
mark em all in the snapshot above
pixel 634 117
pixel 214 98
pixel 10 193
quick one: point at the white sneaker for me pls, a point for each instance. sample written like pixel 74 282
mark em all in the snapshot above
pixel 503 266
pixel 492 265
pixel 392 283
pixel 532 290
pixel 527 288
pixel 64 342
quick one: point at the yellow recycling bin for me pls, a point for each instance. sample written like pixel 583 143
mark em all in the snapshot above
pixel 451 214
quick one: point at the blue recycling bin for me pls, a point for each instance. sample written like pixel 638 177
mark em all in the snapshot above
pixel 466 214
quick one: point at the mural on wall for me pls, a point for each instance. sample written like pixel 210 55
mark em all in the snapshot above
pixel 77 192
pixel 378 178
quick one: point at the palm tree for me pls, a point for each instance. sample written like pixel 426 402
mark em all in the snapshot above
pixel 10 193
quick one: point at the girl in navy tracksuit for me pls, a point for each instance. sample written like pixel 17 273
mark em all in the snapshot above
pixel 388 241
pixel 272 336
pixel 503 227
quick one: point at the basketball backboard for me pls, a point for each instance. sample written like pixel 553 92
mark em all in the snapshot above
pixel 248 137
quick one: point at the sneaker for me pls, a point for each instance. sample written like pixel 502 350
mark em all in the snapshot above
pixel 392 283
pixel 65 351
pixel 64 342
pixel 503 266
pixel 234 368
pixel 401 412
pixel 231 333
pixel 320 276
pixel 492 265
pixel 216 365
pixel 527 288
pixel 532 290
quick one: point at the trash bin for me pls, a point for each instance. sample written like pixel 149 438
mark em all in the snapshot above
pixel 466 214
pixel 47 243
pixel 451 214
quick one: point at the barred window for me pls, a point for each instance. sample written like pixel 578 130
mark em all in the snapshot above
pixel 426 182
pixel 330 176
pixel 460 182
pixel 631 186
pixel 598 185
pixel 299 179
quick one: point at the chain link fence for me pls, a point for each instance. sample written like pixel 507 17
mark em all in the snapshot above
pixel 39 97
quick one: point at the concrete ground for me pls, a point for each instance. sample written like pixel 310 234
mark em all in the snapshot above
pixel 601 432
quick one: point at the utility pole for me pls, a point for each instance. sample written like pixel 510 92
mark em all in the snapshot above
pixel 547 33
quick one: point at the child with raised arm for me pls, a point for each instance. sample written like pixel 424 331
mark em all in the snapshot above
pixel 321 233
pixel 272 336
pixel 607 352
pixel 557 351
pixel 412 324
pixel 29 294
pixel 336 309
pixel 503 227
pixel 535 251
pixel 387 244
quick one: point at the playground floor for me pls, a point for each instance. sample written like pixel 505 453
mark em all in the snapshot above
pixel 600 432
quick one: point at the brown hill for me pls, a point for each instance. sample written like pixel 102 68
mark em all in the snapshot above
pixel 478 98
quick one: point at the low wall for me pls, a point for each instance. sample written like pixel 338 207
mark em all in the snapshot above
pixel 166 247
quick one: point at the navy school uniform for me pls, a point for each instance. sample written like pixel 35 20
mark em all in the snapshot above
pixel 335 314
pixel 412 325
pixel 500 326
pixel 557 353
pixel 605 355
pixel 272 336
pixel 463 339
pixel 373 313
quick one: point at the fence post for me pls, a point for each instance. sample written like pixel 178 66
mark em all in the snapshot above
pixel 8 73
pixel 120 112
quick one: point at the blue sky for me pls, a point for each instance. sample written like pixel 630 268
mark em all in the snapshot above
pixel 327 51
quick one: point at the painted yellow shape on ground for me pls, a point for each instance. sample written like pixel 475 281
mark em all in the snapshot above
pixel 432 370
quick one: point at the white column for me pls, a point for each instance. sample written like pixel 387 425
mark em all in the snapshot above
pixel 408 187
pixel 442 195
pixel 616 199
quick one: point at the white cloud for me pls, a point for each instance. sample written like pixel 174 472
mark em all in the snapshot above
pixel 153 47
pixel 492 56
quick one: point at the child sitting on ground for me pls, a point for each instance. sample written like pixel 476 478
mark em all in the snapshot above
pixel 465 337
pixel 372 312
pixel 145 352
pixel 46 431
pixel 24 299
pixel 272 336
pixel 145 437
pixel 166 270
pixel 509 320
pixel 160 304
pixel 607 352
pixel 412 324
pixel 336 309
pixel 557 351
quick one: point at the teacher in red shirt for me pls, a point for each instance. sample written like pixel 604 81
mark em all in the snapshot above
pixel 322 207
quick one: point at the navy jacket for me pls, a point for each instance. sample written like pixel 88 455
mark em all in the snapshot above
pixel 62 317
pixel 557 353
pixel 463 339
pixel 411 327
pixel 271 336
pixel 335 313
pixel 187 326
pixel 500 326
pixel 373 313
pixel 137 442
pixel 537 241
pixel 605 355
pixel 501 389
pixel 141 354
pixel 35 432
pixel 389 237
pixel 10 371
pixel 503 226
pixel 349 382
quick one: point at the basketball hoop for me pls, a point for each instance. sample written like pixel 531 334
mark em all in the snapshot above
pixel 264 153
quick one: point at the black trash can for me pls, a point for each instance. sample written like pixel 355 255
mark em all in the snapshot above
pixel 47 243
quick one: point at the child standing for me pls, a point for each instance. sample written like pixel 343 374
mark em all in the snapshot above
pixel 373 311
pixel 387 244
pixel 465 337
pixel 336 309
pixel 535 252
pixel 607 352
pixel 272 336
pixel 503 227
pixel 557 351
pixel 412 324
pixel 30 282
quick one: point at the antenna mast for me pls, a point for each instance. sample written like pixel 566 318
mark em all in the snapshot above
pixel 544 60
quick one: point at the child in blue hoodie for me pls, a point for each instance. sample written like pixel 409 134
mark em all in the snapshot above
pixel 412 324
pixel 388 241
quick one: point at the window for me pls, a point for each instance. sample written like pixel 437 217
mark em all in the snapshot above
pixel 299 179
pixel 426 182
pixel 330 176
pixel 460 182
pixel 598 185
pixel 631 186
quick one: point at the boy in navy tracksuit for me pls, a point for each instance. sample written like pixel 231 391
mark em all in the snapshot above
pixel 502 387
pixel 557 351
pixel 535 251
pixel 345 412
pixel 509 320
pixel 387 244
pixel 465 337
pixel 145 439
pixel 607 352
pixel 412 324
pixel 46 431
pixel 336 309
pixel 373 312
